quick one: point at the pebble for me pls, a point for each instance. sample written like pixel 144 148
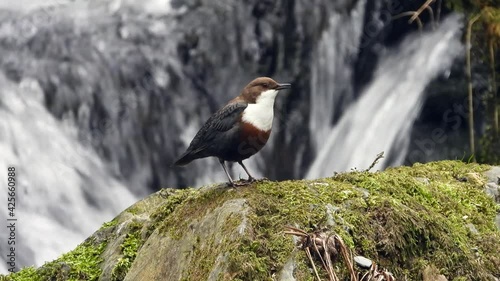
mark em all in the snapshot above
pixel 363 262
pixel 472 228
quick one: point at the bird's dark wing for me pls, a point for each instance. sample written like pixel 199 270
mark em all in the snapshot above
pixel 219 122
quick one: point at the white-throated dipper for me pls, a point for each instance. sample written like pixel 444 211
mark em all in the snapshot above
pixel 239 129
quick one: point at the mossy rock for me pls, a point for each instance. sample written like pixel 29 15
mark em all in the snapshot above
pixel 406 219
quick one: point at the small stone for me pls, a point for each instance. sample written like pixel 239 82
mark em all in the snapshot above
pixel 363 262
pixel 493 190
pixel 287 271
pixel 320 183
pixel 330 210
pixel 493 175
pixel 472 228
pixel 364 191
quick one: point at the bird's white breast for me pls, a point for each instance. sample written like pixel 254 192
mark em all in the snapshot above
pixel 261 113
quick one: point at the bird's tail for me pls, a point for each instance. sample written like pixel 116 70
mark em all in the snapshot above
pixel 185 159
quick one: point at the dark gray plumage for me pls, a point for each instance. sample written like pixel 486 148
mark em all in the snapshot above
pixel 216 135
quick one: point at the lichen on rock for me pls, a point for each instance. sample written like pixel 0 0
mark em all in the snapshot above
pixel 406 219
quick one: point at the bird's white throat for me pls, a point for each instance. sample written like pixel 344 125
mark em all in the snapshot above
pixel 261 113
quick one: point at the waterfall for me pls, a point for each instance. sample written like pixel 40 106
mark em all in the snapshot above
pixel 64 191
pixel 381 119
pixel 100 96
pixel 331 90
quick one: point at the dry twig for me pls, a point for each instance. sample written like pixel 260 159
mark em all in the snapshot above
pixel 328 249
pixel 410 13
pixel 377 158
pixel 420 10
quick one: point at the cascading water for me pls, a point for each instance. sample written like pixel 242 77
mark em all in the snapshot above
pixel 100 97
pixel 382 117
pixel 64 190
pixel 332 70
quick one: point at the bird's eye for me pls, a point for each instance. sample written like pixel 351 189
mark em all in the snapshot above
pixel 265 85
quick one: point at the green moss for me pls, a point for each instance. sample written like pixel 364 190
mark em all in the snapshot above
pixel 80 264
pixel 173 198
pixel 27 273
pixel 134 210
pixel 129 248
pixel 259 254
pixel 403 224
pixel 403 218
pixel 406 218
pixel 274 206
pixel 195 205
pixel 111 223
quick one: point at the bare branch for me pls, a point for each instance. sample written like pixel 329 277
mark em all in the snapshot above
pixel 308 253
pixel 377 158
pixel 469 84
pixel 409 13
pixel 420 10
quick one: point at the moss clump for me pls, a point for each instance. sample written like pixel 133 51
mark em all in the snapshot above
pixel 403 218
pixel 173 198
pixel 111 223
pixel 27 273
pixel 80 264
pixel 129 248
pixel 194 205
pixel 408 223
pixel 208 252
pixel 404 223
pixel 274 206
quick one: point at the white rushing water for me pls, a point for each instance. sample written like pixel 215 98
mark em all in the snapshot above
pixel 64 191
pixel 332 69
pixel 381 119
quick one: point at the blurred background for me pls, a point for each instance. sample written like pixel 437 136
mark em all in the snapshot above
pixel 98 97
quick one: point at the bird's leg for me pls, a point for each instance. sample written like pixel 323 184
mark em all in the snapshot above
pixel 231 183
pixel 250 178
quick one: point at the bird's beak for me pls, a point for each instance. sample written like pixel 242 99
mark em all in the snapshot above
pixel 283 86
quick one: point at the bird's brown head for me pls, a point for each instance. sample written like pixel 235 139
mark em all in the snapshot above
pixel 258 86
